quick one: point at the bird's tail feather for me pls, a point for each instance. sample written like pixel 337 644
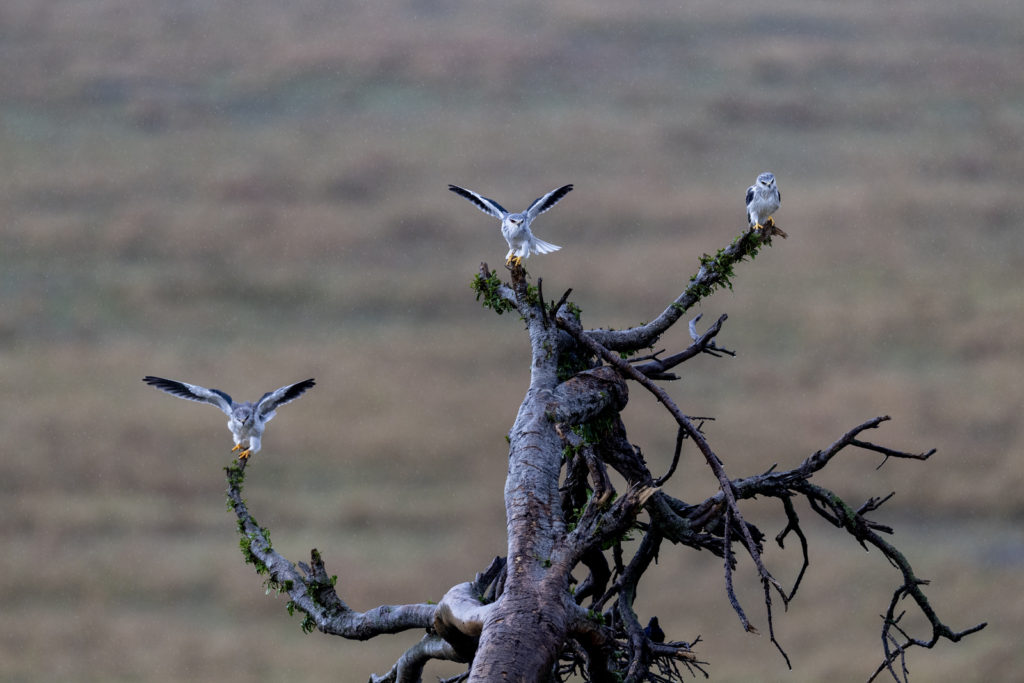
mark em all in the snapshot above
pixel 542 247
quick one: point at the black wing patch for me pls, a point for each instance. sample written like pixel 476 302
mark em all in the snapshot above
pixel 480 202
pixel 548 200
pixel 272 399
pixel 182 390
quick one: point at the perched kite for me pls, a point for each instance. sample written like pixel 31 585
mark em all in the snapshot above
pixel 246 420
pixel 515 227
pixel 763 200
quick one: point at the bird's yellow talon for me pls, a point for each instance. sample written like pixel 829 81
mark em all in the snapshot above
pixel 237 447
pixel 244 455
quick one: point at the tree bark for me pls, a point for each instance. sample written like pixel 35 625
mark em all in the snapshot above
pixel 523 635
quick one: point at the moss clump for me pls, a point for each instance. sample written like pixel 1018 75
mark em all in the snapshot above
pixel 597 429
pixel 489 288
pixel 717 271
pixel 573 361
pixel 574 310
pixel 532 295
pixel 245 544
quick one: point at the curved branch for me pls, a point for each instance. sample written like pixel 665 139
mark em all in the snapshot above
pixel 793 524
pixel 312 591
pixel 898 649
pixel 658 368
pixel 680 435
pixel 715 272
pixel 460 619
pixel 409 667
pixel 820 458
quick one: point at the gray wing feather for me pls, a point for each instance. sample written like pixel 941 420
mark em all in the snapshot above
pixel 750 195
pixel 272 399
pixel 191 392
pixel 488 206
pixel 542 204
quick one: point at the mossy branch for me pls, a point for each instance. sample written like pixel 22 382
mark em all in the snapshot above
pixel 715 272
pixel 312 590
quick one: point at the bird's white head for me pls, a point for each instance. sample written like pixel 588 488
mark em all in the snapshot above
pixel 243 414
pixel 766 180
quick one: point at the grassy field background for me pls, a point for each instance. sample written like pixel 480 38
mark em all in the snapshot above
pixel 245 194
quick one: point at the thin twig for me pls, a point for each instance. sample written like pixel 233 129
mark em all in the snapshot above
pixel 680 435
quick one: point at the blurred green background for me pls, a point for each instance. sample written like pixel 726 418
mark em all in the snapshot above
pixel 246 194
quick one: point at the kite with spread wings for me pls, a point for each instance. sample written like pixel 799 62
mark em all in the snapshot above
pixel 515 227
pixel 246 420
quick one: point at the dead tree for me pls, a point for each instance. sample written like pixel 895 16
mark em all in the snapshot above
pixel 560 604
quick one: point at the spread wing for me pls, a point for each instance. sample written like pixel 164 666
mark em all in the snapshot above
pixel 542 204
pixel 488 206
pixel 191 392
pixel 271 400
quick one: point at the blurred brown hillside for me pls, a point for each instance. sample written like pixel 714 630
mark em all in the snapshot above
pixel 245 194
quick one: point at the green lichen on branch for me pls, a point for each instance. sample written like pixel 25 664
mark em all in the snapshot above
pixel 245 544
pixel 489 288
pixel 573 361
pixel 308 624
pixel 255 544
pixel 533 295
pixel 236 476
pixel 577 512
pixel 321 593
pixel 716 271
pixel 594 431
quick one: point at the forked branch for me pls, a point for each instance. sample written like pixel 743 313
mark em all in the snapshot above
pixel 571 325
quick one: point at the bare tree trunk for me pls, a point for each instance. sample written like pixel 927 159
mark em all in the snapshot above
pixel 523 635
